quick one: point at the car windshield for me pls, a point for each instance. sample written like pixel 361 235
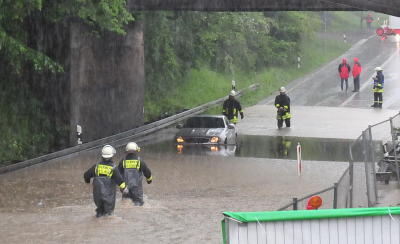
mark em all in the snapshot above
pixel 204 122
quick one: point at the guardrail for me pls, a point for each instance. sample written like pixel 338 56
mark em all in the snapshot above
pixel 130 134
pixel 358 184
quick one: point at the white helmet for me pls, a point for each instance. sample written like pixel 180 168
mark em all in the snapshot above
pixel 108 151
pixel 232 93
pixel 282 89
pixel 378 69
pixel 132 147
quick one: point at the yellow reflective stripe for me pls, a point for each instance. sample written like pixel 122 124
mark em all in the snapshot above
pixel 150 178
pixel 234 120
pixel 123 185
pixel 104 170
pixel 286 107
pixel 277 105
pixel 131 164
pixel 241 111
pixel 286 116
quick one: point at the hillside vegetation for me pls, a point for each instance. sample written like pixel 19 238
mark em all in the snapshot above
pixel 190 59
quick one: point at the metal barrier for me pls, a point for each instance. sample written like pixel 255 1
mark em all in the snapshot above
pixel 373 154
pixel 121 138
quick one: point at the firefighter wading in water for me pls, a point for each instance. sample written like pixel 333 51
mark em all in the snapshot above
pixel 231 108
pixel 133 168
pixel 104 179
pixel 282 103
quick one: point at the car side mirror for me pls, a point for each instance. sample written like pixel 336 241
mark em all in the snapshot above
pixel 231 126
pixel 179 126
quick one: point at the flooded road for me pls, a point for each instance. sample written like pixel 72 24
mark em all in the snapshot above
pixel 50 203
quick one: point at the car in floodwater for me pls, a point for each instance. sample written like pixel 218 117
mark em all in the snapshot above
pixel 211 131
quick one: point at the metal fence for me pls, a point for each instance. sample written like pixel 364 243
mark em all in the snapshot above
pixel 373 156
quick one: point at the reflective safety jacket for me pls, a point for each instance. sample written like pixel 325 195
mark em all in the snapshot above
pixel 104 179
pixel 133 168
pixel 379 81
pixel 282 103
pixel 231 108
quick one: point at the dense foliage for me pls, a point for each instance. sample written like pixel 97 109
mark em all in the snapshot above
pixel 177 42
pixel 28 126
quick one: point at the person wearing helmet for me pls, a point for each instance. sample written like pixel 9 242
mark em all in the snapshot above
pixel 282 103
pixel 133 168
pixel 231 108
pixel 356 74
pixel 379 80
pixel 104 179
pixel 344 72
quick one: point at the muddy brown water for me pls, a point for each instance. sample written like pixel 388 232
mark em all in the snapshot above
pixel 50 203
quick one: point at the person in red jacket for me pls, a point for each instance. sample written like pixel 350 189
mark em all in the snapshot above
pixel 344 73
pixel 356 74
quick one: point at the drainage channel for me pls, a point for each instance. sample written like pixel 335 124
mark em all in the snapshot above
pixel 280 147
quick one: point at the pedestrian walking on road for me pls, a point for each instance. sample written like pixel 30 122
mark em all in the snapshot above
pixel 231 108
pixel 282 103
pixel 105 178
pixel 344 73
pixel 133 168
pixel 369 19
pixel 379 80
pixel 356 74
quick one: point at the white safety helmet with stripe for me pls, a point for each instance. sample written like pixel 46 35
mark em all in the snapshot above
pixel 378 69
pixel 282 89
pixel 132 147
pixel 108 151
pixel 232 93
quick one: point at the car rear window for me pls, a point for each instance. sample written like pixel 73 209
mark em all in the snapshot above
pixel 204 122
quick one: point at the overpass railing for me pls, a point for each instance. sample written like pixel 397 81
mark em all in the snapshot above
pixel 124 137
pixel 375 153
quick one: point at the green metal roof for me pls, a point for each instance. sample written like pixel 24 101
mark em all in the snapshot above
pixel 311 214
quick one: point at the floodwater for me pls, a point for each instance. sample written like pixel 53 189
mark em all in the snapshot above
pixel 50 203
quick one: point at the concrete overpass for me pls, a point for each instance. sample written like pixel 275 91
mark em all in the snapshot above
pixel 391 7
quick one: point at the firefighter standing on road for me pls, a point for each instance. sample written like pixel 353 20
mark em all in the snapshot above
pixel 379 80
pixel 356 74
pixel 232 108
pixel 133 168
pixel 344 72
pixel 104 179
pixel 282 103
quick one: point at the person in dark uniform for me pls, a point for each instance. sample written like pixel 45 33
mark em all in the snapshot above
pixel 379 80
pixel 231 108
pixel 133 168
pixel 105 178
pixel 282 103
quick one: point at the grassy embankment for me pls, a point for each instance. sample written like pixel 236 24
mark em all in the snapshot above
pixel 204 85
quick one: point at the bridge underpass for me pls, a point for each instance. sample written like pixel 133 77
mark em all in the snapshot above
pixel 50 203
pixel 384 6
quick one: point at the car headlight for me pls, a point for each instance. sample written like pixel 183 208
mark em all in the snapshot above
pixel 180 139
pixel 214 139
